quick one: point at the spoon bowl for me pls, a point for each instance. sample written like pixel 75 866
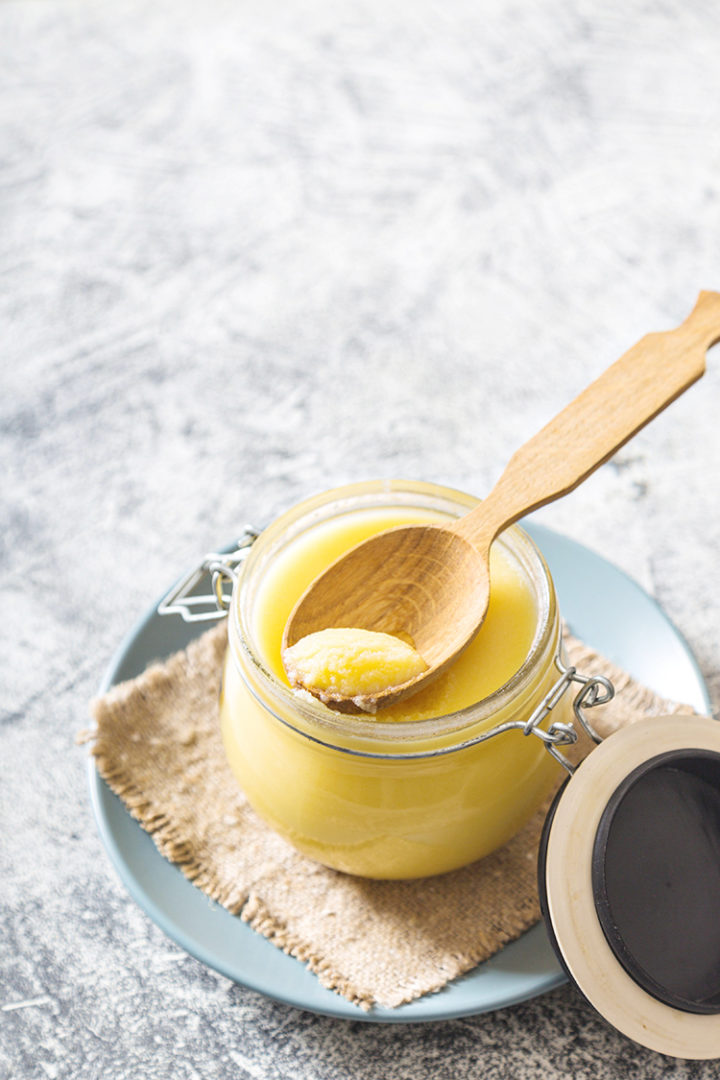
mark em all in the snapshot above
pixel 430 584
pixel 400 582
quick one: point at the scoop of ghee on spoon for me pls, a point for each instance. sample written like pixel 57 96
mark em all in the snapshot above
pixel 430 584
pixel 351 663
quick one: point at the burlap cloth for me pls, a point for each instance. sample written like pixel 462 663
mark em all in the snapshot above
pixel 158 746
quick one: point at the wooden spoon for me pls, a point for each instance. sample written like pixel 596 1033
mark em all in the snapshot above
pixel 432 582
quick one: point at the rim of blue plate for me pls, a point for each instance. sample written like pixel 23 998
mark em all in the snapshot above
pixel 281 977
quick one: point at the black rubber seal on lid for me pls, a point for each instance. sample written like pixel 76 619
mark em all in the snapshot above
pixel 656 877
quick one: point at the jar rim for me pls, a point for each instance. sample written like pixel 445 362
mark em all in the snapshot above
pixel 328 727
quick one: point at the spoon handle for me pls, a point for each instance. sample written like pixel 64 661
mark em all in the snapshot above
pixel 598 422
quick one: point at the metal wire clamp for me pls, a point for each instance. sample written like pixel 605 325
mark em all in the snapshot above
pixel 194 606
pixel 594 690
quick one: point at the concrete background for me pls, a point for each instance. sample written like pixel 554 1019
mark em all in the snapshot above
pixel 249 251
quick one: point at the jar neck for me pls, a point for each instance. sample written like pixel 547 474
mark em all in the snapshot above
pixel 364 737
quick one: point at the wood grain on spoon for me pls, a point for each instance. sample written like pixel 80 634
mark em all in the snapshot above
pixel 431 583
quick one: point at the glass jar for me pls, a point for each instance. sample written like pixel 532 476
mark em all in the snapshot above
pixel 376 797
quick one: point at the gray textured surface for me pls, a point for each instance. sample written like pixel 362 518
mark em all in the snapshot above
pixel 249 251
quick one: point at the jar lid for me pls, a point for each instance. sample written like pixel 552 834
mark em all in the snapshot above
pixel 629 880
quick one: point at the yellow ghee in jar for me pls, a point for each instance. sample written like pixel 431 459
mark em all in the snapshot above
pixel 355 792
pixel 491 658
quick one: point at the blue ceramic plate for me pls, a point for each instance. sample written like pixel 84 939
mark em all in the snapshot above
pixel 602 605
